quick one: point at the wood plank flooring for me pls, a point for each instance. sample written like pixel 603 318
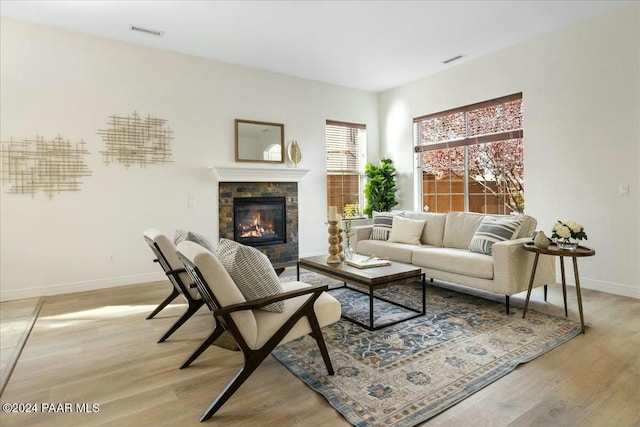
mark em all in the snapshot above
pixel 97 347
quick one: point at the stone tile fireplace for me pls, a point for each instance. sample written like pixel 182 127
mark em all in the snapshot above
pixel 282 250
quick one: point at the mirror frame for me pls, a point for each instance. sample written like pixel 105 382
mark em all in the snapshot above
pixel 238 140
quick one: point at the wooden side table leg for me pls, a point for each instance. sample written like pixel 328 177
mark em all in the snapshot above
pixel 575 272
pixel 564 285
pixel 533 275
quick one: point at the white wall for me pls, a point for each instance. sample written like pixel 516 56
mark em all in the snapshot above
pixel 55 82
pixel 581 89
pixel 581 92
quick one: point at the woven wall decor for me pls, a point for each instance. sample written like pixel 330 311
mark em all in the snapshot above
pixel 131 140
pixel 52 166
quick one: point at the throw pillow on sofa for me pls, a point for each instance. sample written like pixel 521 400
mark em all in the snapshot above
pixel 252 272
pixel 492 230
pixel 382 222
pixel 405 230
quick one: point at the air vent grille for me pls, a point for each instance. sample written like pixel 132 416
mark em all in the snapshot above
pixel 455 58
pixel 146 30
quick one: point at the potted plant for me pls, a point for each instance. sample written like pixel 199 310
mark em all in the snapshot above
pixel 380 189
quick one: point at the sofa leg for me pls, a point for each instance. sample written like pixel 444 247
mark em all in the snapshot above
pixel 506 300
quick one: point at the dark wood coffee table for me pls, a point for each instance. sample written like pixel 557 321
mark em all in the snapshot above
pixel 370 278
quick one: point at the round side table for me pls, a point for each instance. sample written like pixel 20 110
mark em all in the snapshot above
pixel 553 250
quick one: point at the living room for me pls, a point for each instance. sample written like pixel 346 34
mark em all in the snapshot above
pixel 581 92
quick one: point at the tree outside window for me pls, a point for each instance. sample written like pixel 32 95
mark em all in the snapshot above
pixel 472 158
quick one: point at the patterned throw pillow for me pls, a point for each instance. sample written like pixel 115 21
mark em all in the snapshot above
pixel 252 272
pixel 382 223
pixel 492 230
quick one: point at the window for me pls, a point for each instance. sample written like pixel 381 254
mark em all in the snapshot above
pixel 345 144
pixel 472 158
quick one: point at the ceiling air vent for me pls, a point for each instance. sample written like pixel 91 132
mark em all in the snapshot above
pixel 455 58
pixel 146 30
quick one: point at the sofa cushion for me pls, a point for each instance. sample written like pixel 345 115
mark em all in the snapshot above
pixel 382 223
pixel 492 230
pixel 433 229
pixel 252 272
pixel 400 252
pixel 460 228
pixel 457 261
pixel 405 230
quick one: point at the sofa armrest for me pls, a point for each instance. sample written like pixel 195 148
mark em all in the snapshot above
pixel 512 267
pixel 361 232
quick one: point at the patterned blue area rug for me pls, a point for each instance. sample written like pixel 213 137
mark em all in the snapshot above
pixel 404 374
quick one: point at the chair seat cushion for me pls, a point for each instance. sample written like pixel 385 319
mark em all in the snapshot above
pixel 327 310
pixel 251 271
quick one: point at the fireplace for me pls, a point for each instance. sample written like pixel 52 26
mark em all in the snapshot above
pixel 259 221
pixel 281 254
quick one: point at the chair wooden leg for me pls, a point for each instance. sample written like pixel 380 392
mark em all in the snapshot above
pixel 317 335
pixel 193 307
pixel 250 365
pixel 164 303
pixel 205 344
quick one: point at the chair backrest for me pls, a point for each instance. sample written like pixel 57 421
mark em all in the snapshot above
pixel 165 252
pixel 216 286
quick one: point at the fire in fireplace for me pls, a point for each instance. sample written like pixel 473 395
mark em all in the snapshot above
pixel 259 220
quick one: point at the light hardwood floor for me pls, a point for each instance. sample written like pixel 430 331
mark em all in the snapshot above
pixel 97 347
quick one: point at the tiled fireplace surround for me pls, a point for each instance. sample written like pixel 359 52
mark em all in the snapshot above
pixel 281 255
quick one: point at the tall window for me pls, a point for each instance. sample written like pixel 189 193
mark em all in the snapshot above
pixel 346 145
pixel 472 157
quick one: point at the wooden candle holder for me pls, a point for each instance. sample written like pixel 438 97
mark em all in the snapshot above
pixel 334 240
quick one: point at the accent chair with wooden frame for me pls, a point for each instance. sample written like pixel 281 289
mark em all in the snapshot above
pixel 165 252
pixel 257 332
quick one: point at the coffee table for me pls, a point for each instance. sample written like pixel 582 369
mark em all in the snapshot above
pixel 369 278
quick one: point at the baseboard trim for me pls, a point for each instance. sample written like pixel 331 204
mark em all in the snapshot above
pixel 603 286
pixel 88 285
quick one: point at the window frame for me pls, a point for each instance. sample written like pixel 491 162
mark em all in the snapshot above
pixel 465 141
pixel 331 169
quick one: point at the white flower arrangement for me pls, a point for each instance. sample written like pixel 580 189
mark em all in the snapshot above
pixel 568 230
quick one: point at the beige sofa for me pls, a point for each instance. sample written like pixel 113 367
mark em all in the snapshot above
pixel 443 253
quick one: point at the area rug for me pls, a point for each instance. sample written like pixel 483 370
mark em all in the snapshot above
pixel 404 374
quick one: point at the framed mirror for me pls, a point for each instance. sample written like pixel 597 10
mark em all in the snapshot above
pixel 261 142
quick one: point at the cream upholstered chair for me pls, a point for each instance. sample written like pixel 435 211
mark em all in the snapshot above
pixel 257 332
pixel 165 252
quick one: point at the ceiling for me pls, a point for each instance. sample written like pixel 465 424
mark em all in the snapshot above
pixel 368 45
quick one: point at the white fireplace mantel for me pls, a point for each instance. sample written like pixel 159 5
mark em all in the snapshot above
pixel 253 174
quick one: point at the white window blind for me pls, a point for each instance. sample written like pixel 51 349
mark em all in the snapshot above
pixel 345 154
